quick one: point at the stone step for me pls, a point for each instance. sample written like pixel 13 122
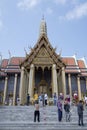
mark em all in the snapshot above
pixel 41 126
pixel 26 113
pixel 21 118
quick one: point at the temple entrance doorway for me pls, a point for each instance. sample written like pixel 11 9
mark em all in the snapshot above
pixel 42 89
pixel 43 80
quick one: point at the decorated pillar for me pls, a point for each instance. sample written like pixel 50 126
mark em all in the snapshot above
pixel 54 80
pixel 31 81
pixel 15 87
pixel 70 88
pixel 25 86
pixel 79 88
pixel 5 89
pixel 21 92
pixel 86 84
pixel 63 82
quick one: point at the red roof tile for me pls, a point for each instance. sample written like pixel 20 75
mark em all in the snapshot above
pixel 71 66
pixel 82 67
pixel 81 64
pixel 4 63
pixel 69 61
pixel 16 60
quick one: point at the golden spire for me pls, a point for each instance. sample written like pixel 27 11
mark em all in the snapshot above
pixel 43 27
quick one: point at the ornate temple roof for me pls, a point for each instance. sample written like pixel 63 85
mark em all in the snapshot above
pixel 4 63
pixel 82 67
pixel 12 65
pixel 44 44
pixel 71 66
pixel 16 60
pixel 69 60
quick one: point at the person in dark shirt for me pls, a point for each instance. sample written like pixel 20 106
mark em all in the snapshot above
pixel 43 100
pixel 67 110
pixel 80 113
pixel 28 99
pixel 59 106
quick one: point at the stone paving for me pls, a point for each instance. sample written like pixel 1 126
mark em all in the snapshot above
pixel 21 118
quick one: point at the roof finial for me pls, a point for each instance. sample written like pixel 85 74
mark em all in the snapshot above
pixel 43 27
pixel 43 17
pixel 9 56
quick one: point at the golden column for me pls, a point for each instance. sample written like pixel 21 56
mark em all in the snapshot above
pixel 15 87
pixel 70 88
pixel 79 88
pixel 21 92
pixel 31 81
pixel 5 89
pixel 63 82
pixel 54 80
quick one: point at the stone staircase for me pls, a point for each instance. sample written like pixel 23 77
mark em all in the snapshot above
pixel 21 118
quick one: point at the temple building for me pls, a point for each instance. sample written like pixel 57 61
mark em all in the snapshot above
pixel 42 70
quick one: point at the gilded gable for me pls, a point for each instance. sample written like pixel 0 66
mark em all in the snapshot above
pixel 43 57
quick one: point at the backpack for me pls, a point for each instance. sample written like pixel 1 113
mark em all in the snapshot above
pixel 67 107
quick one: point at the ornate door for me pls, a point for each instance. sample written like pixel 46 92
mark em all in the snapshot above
pixel 42 89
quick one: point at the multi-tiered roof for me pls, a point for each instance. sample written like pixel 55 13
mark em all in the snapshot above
pixel 73 65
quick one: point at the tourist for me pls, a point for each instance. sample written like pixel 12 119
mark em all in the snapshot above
pixel 61 96
pixel 45 98
pixel 68 96
pixel 28 99
pixel 18 101
pixel 35 97
pixel 75 96
pixel 67 109
pixel 36 112
pixel 10 102
pixel 59 106
pixel 85 100
pixel 54 99
pixel 40 99
pixel 80 113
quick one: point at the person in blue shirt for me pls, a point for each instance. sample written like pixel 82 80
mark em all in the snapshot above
pixel 54 99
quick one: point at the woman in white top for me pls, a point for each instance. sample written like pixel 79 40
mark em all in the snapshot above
pixel 45 98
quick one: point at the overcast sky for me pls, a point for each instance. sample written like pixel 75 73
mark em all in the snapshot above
pixel 66 26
